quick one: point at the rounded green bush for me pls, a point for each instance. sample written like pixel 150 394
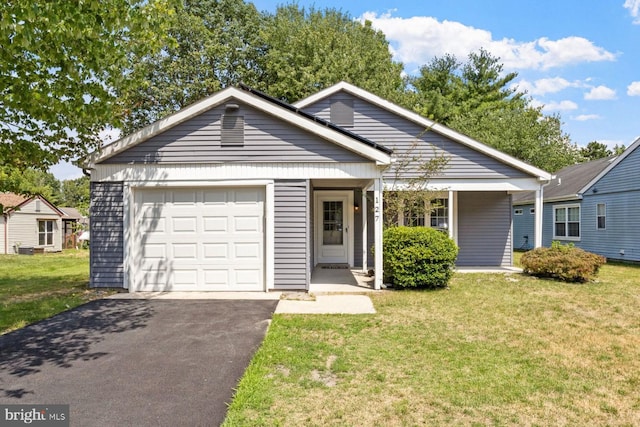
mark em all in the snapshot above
pixel 418 257
pixel 563 262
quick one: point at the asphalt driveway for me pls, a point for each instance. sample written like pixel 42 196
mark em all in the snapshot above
pixel 136 362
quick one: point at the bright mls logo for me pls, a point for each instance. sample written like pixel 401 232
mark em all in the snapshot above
pixel 35 415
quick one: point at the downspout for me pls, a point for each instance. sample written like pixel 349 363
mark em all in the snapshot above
pixel 6 233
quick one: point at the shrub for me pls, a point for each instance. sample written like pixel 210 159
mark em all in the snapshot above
pixel 418 257
pixel 563 262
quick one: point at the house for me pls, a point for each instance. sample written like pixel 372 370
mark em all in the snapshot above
pixel 29 222
pixel 593 205
pixel 241 191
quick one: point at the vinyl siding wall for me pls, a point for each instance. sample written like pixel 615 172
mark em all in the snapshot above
pixel 399 134
pixel 267 139
pixel 291 234
pixel 523 225
pixel 106 228
pixel 484 229
pixel 22 227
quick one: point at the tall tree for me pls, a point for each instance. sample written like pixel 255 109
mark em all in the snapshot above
pixel 75 194
pixel 60 63
pixel 595 150
pixel 34 181
pixel 212 44
pixel 476 98
pixel 308 50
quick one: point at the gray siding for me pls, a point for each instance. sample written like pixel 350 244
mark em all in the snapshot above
pixel 399 134
pixel 622 230
pixel 484 229
pixel 291 252
pixel 106 226
pixel 266 139
pixel 523 228
pixel 624 177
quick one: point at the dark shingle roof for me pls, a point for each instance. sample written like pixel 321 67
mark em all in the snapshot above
pixel 568 181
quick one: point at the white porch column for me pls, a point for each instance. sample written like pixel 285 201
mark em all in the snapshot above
pixel 377 214
pixel 537 241
pixel 450 216
pixel 363 209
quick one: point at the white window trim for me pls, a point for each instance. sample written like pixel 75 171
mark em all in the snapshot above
pixel 518 211
pixel 566 207
pixel 532 211
pixel 46 233
pixel 598 216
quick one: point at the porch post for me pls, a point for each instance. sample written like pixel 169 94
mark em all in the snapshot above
pixel 450 224
pixel 377 197
pixel 537 242
pixel 363 207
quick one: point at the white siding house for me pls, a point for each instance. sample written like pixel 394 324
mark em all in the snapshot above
pixel 29 222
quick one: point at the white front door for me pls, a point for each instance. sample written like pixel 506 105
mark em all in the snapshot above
pixel 334 223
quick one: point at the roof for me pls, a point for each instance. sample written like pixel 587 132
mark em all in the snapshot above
pixel 262 102
pixel 13 201
pixel 71 213
pixel 427 124
pixel 10 201
pixel 568 182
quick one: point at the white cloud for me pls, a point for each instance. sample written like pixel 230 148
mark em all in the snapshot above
pixel 633 89
pixel 418 39
pixel 586 117
pixel 600 93
pixel 560 106
pixel 544 86
pixel 634 9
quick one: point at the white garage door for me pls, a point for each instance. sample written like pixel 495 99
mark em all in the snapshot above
pixel 199 239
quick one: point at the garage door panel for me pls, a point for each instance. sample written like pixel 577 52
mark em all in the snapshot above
pixel 184 224
pixel 247 224
pixel 215 224
pixel 216 251
pixel 200 239
pixel 185 250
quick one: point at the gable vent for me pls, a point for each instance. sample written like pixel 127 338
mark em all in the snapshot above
pixel 342 112
pixel 232 134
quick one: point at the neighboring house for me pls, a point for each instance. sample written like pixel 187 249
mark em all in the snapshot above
pixel 29 222
pixel 593 205
pixel 73 222
pixel 241 191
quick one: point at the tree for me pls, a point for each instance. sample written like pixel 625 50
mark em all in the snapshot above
pixel 75 194
pixel 34 181
pixel 308 50
pixel 595 150
pixel 475 98
pixel 619 149
pixel 212 44
pixel 60 64
pixel 524 133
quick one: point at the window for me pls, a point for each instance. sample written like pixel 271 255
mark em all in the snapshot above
pixel 45 233
pixel 517 211
pixel 601 216
pixel 435 214
pixel 414 214
pixel 532 211
pixel 440 213
pixel 566 222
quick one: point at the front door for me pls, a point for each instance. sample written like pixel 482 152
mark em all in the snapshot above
pixel 333 227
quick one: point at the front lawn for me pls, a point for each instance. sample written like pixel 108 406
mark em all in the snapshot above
pixel 35 287
pixel 491 350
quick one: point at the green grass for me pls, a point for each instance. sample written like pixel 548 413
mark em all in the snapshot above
pixel 35 287
pixel 491 350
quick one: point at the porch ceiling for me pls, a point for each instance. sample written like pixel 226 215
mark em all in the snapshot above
pixel 340 183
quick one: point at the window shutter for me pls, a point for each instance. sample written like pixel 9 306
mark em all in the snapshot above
pixel 232 130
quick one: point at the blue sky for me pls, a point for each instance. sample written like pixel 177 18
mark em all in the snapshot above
pixel 579 59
